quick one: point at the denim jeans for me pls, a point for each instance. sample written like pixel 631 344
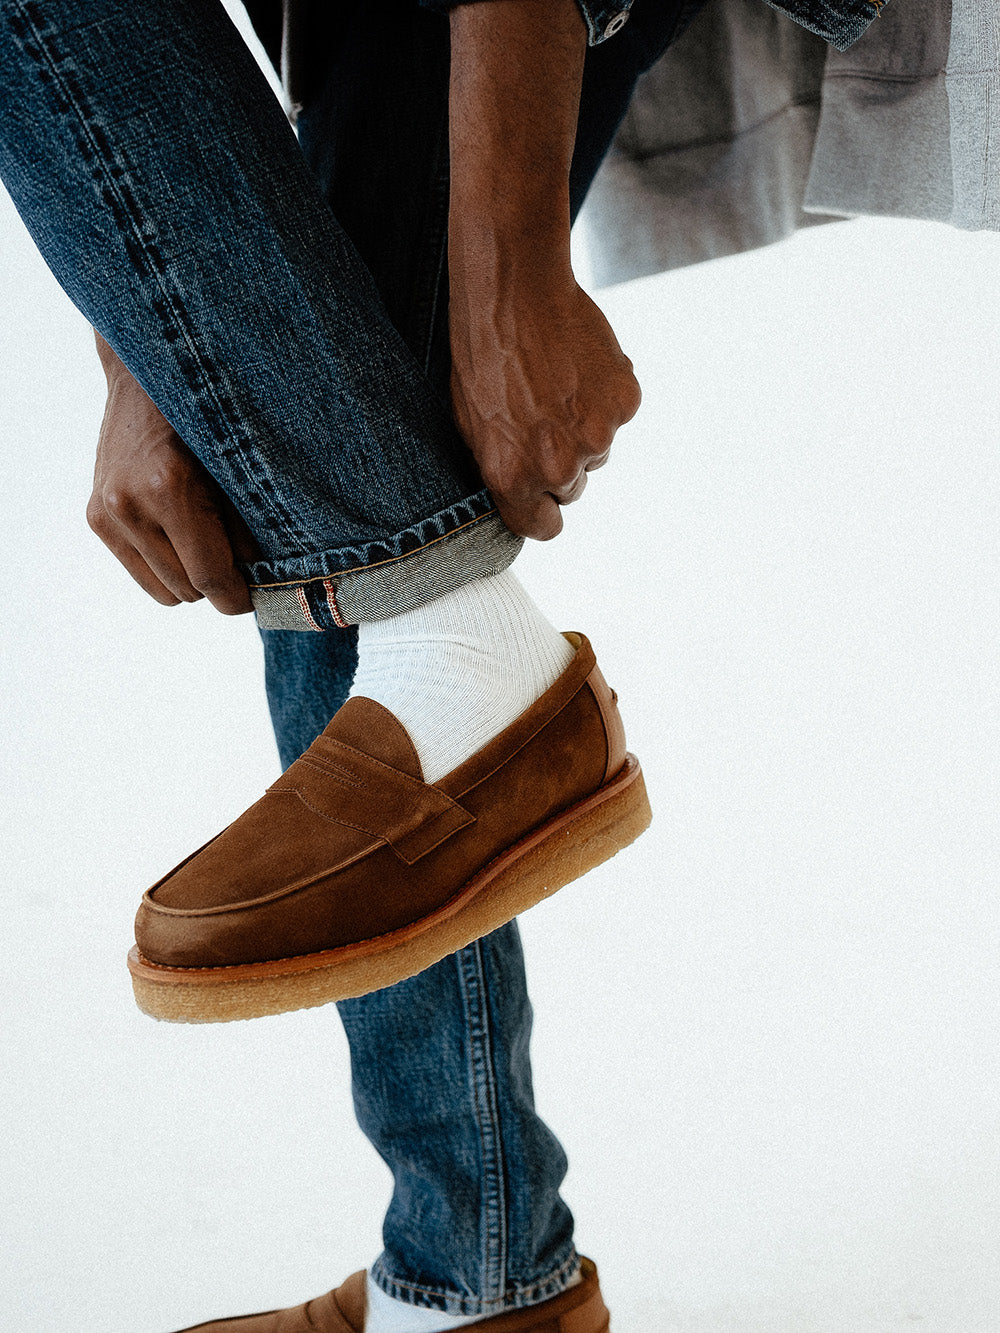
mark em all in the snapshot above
pixel 286 309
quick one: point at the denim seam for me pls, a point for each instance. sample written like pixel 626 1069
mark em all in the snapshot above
pixel 304 603
pixel 129 214
pixel 472 981
pixel 391 560
pixel 331 601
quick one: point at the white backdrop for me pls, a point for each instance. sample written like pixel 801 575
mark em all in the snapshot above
pixel 767 1034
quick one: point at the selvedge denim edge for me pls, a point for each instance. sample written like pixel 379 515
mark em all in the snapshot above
pixel 335 597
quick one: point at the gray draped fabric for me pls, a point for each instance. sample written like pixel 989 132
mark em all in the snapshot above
pixel 750 127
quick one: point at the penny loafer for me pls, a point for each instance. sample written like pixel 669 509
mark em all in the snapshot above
pixel 351 873
pixel 581 1309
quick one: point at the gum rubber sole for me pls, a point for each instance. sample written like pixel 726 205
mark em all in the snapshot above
pixel 559 851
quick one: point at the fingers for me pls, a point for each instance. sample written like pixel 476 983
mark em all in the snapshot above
pixel 597 462
pixel 529 495
pixel 539 519
pixel 156 508
pixel 205 555
pixel 567 494
pixel 181 555
pixel 115 539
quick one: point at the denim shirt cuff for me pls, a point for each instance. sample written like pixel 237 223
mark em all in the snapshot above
pixel 602 20
pixel 839 22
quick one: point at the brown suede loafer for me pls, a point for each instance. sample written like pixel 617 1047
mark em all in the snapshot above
pixel 351 873
pixel 578 1310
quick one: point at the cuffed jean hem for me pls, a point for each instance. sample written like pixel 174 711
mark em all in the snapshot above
pixel 457 1303
pixel 349 585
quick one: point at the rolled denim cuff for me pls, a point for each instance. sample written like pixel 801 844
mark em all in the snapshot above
pixel 602 20
pixel 349 585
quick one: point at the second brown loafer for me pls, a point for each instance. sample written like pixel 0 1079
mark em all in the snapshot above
pixel 351 873
pixel 580 1309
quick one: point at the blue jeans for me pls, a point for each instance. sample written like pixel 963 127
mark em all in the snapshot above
pixel 286 309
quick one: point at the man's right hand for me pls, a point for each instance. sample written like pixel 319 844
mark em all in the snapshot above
pixel 156 508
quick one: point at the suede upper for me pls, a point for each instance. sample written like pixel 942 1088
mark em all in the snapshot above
pixel 350 843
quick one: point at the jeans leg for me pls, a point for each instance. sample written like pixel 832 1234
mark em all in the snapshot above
pixel 164 187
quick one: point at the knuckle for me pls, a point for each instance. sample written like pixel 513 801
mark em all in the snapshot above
pixel 631 395
pixel 224 587
pixel 208 583
pixel 505 484
pixel 97 519
pixel 164 483
pixel 118 504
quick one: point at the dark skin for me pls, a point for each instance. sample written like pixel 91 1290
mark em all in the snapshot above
pixel 539 384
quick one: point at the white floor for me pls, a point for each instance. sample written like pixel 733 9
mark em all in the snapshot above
pixel 767 1034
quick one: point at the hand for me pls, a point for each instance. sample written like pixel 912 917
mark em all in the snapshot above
pixel 156 508
pixel 539 387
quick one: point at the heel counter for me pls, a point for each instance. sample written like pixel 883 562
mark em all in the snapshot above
pixel 614 730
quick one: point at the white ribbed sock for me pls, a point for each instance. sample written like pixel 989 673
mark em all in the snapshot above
pixel 387 1315
pixel 457 670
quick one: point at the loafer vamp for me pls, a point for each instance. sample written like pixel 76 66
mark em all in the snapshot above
pixel 297 875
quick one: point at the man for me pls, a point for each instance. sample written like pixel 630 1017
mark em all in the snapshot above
pixel 382 386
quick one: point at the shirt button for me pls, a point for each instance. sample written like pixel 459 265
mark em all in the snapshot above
pixel 616 24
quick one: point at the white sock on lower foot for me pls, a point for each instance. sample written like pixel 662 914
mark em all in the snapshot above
pixel 458 670
pixel 387 1315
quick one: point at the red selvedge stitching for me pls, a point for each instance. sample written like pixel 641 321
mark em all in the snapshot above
pixel 303 602
pixel 331 601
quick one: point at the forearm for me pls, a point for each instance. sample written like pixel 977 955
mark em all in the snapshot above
pixel 516 74
pixel 539 384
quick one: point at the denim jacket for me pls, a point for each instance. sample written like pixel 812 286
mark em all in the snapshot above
pixel 840 22
pixel 280 23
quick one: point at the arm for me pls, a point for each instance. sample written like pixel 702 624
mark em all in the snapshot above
pixel 539 383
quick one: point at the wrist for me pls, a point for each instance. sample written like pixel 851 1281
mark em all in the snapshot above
pixel 497 244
